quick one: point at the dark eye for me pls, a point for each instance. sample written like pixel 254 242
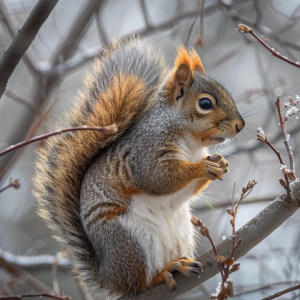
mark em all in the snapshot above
pixel 205 103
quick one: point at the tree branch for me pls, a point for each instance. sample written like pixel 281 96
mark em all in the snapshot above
pixel 80 26
pixel 34 262
pixel 89 54
pixel 12 34
pixel 29 103
pixel 33 295
pixel 23 40
pixel 246 29
pixel 107 130
pixel 252 233
pixel 276 295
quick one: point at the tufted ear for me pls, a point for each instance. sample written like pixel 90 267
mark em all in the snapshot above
pixel 197 64
pixel 190 58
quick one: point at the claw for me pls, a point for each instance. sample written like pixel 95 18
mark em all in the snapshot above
pixel 184 265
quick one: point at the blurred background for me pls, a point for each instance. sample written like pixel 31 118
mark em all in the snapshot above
pixel 47 79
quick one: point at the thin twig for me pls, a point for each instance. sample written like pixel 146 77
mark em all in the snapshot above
pixel 246 29
pixel 264 287
pixel 12 183
pixel 46 295
pixel 262 138
pixel 90 54
pixel 17 97
pixel 23 40
pixel 108 130
pixel 286 142
pixel 79 27
pixel 276 295
pixel 145 14
pixel 18 272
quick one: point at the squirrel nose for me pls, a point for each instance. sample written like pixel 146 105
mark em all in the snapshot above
pixel 239 127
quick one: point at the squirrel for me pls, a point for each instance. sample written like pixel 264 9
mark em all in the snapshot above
pixel 119 201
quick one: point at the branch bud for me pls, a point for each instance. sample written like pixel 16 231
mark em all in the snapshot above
pixel 205 231
pixel 15 183
pixel 230 291
pixel 235 267
pixel 244 28
pixel 196 222
pixel 229 211
pixel 260 135
pixel 283 183
pixel 111 129
pixel 291 174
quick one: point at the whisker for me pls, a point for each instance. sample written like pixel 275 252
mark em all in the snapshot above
pixel 251 124
pixel 202 197
pixel 251 109
pixel 257 113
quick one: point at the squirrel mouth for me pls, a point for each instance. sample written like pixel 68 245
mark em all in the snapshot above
pixel 218 140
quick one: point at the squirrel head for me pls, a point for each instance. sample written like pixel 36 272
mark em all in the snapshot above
pixel 207 107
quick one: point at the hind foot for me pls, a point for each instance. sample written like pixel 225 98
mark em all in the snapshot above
pixel 186 266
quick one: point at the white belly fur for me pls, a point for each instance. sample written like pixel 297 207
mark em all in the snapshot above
pixel 162 224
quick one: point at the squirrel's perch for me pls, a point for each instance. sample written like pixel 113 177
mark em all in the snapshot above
pixel 251 233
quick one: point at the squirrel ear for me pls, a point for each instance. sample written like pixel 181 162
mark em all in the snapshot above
pixel 189 57
pixel 183 79
pixel 183 75
pixel 197 64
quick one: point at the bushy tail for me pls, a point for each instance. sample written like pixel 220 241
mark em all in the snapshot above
pixel 121 87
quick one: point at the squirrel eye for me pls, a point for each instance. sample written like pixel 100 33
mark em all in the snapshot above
pixel 205 103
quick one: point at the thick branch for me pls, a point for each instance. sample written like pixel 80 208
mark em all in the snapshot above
pixel 23 40
pixel 252 233
pixel 12 33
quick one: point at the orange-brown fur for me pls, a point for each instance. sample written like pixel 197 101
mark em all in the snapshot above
pixel 64 161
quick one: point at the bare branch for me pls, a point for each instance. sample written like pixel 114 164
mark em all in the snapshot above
pixel 33 295
pixel 276 295
pixel 108 130
pixel 23 40
pixel 262 138
pixel 252 233
pixel 12 33
pixel 246 29
pixel 89 54
pixel 80 26
pixel 34 262
pixel 145 13
pixel 286 142
pixel 17 97
pixel 18 272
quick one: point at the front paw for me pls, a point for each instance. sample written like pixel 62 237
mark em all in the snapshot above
pixel 216 166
